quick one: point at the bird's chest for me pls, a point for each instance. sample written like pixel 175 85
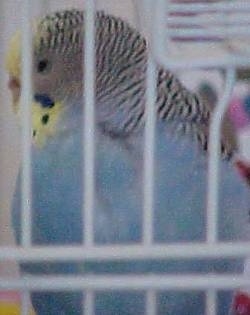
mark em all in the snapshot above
pixel 58 192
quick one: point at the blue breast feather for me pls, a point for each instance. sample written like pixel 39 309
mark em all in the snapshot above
pixel 179 215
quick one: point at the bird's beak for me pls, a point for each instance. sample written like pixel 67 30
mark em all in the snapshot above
pixel 243 168
pixel 15 88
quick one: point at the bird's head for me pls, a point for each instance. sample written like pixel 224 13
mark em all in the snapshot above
pixel 57 63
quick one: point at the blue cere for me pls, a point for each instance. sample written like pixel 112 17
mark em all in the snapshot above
pixel 44 100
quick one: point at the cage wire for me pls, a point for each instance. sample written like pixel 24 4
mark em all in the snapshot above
pixel 171 27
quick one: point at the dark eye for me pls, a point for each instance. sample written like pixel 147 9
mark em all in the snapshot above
pixel 42 65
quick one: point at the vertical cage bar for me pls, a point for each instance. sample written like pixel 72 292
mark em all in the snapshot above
pixel 213 162
pixel 89 120
pixel 149 148
pixel 143 15
pixel 25 303
pixel 210 302
pixel 43 6
pixel 25 102
pixel 151 308
pixel 89 303
pixel 159 18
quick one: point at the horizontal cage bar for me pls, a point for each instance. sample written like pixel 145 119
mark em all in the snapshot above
pixel 128 282
pixel 127 252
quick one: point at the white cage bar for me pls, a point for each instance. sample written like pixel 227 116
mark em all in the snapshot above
pixel 26 98
pixel 25 309
pixel 151 302
pixel 89 122
pixel 127 282
pixel 88 308
pixel 211 302
pixel 213 162
pixel 128 252
pixel 89 137
pixel 148 182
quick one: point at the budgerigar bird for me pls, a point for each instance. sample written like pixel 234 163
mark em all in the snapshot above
pixel 180 167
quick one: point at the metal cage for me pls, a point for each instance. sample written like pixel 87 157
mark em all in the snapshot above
pixel 169 25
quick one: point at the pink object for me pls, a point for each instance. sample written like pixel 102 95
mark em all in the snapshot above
pixel 241 304
pixel 244 170
pixel 10 296
pixel 237 114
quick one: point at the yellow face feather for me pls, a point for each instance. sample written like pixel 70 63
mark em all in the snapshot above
pixel 13 56
pixel 13 53
pixel 44 120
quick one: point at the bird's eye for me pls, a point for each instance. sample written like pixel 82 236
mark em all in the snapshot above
pixel 43 65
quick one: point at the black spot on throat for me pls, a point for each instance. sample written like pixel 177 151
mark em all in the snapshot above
pixel 45 119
